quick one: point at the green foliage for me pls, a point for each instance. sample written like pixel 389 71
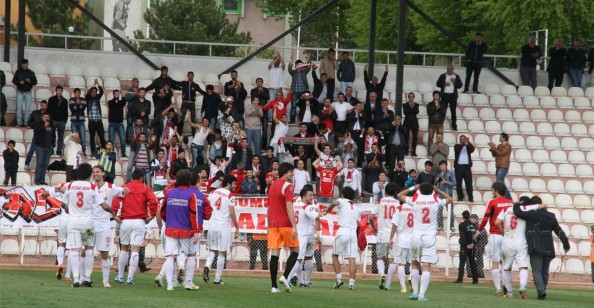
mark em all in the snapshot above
pixel 192 21
pixel 55 16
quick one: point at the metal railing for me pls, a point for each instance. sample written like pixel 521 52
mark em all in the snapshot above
pixel 211 49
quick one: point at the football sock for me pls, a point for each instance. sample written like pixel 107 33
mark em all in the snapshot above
pixel 290 264
pixel 351 282
pixel 74 258
pixel 507 281
pixel 496 276
pixel 381 267
pixel 523 279
pixel 60 255
pixel 210 258
pixel 402 276
pixel 299 272
pixel 339 276
pixel 220 266
pixel 425 277
pixel 105 270
pixel 273 270
pixel 89 261
pixel 68 268
pixel 391 272
pixel 308 269
pixel 169 268
pixel 82 266
pixel 133 265
pixel 295 270
pixel 181 261
pixel 414 280
pixel 162 272
pixel 190 268
pixel 122 261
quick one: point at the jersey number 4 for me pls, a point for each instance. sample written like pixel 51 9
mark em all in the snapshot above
pixel 218 204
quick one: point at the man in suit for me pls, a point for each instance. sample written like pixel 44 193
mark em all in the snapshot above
pixel 356 128
pixel 308 105
pixel 242 154
pixel 462 168
pixel 397 143
pixel 411 109
pixel 540 225
pixel 322 88
pixel 449 83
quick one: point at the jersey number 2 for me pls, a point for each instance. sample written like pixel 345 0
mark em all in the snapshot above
pixel 426 219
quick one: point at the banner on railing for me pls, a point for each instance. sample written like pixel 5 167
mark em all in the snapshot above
pixel 26 207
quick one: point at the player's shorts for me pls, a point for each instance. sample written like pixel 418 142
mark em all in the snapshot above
pixel 307 244
pixel 176 246
pixel 63 230
pixel 103 239
pixel 381 249
pixel 345 244
pixel 511 254
pixel 132 232
pixel 78 237
pixel 279 237
pixel 494 251
pixel 402 255
pixel 424 248
pixel 219 240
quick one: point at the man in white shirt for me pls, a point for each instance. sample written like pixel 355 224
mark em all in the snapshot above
pixel 276 69
pixel 278 139
pixel 425 204
pixel 449 84
pixel 73 153
pixel 352 177
pixel 218 240
pixel 300 177
pixel 341 107
pixel 345 243
pixel 379 187
pixel 383 213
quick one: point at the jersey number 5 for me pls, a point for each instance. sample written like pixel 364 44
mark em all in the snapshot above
pixel 426 219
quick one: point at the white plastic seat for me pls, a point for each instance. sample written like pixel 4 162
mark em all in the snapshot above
pixel 91 71
pixel 579 130
pixel 479 167
pixel 558 157
pixel 143 74
pixel 555 116
pixel 470 113
pixel 426 87
pixel 126 74
pixel 39 69
pixel 480 100
pixel 42 94
pixel 15 134
pixel 111 83
pixel 579 232
pixel 525 91
pixel 573 116
pixel 562 129
pixel 531 101
pixel 576 157
pixel 492 127
pixel 491 167
pixel 538 185
pixel 569 143
pixel 544 128
pixel 76 82
pixel 485 154
pixel 211 79
pixel 574 187
pixel 550 201
pixel 42 80
pixel 582 202
pixel 564 102
pixel 534 142
pixel 491 89
pixel 584 171
pixel 517 141
pixel 497 100
pixel 108 72
pixel 521 115
pixel 484 183
pixel 514 101
pixel 538 115
pixel 589 92
pixel 463 99
pixel 566 170
pixel 558 92
pixel 476 126
pixel 530 169
pixel 480 140
pixel 519 184
pixel 552 143
pixel 548 102
pixel 548 169
pixel 504 114
pixel 72 71
pixel 586 144
pixel 508 90
pixel 91 81
pixel 523 155
pixel 541 91
pixel 575 92
pixel 510 127
pixel 584 251
pixel 514 168
pixel 6 67
pixel 487 114
pixel 590 157
pixel 527 128
pixel 582 102
pixel 587 216
pixel 555 186
pixel 571 215
pixel 409 86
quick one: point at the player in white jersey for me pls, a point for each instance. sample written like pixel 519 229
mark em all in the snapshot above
pixel 514 247
pixel 383 213
pixel 402 223
pixel 218 240
pixel 425 204
pixel 345 243
pixel 308 229
pixel 83 197
pixel 102 220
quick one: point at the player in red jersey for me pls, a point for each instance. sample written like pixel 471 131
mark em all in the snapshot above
pixel 327 177
pixel 239 175
pixel 282 231
pixel 494 207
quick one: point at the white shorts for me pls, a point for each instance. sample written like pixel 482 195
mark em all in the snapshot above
pixel 423 248
pixel 219 240
pixel 104 239
pixel 345 244
pixel 511 254
pixel 176 246
pixel 494 251
pixel 63 230
pixel 307 244
pixel 132 232
pixel 78 237
pixel 381 249
pixel 402 255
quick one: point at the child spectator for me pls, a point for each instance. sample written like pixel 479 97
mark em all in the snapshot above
pixel 239 174
pixel 412 178
pixel 11 163
pixel 249 185
pixel 107 159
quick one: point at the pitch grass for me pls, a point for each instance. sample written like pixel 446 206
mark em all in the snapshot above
pixel 27 288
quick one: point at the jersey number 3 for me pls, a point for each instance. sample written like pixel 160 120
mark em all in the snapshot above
pixel 80 199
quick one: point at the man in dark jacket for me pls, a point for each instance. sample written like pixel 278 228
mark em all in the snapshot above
pixel 374 85
pixel 189 89
pixel 576 61
pixel 346 71
pixel 58 110
pixel 77 106
pixel 34 118
pixel 436 112
pixel 24 79
pixel 540 225
pixel 242 154
pixel 463 168
pixel 45 140
pixel 410 110
pixel 557 64
pixel 93 99
pixel 308 105
pixel 11 163
pixel 210 105
pixel 397 143
pixel 467 230
pixel 141 108
pixel 161 81
pixel 530 55
pixel 116 120
pixel 449 83
pixel 474 61
pixel 321 90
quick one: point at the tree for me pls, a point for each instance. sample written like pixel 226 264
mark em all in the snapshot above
pixel 55 17
pixel 192 21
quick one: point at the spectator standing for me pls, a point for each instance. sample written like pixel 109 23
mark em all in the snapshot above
pixel 93 99
pixel 131 94
pixel 379 187
pixel 397 143
pixel 116 120
pixel 24 79
pixel 411 123
pixel 45 140
pixel 276 70
pixel 299 84
pixel 399 176
pixel 479 250
pixel 352 177
pixel 436 113
pixel 11 163
pixel 467 230
pixel 341 107
pixel 73 153
pixel 328 66
pixel 327 114
pixel 230 85
pixel 439 150
pixel 239 96
pixel 557 64
pixel 198 145
pixel 321 90
pixel 210 105
pixel 426 176
pixel 348 96
pixel 3 104
pixel 253 124
pixel 263 95
pixel 502 154
pixel 189 89
pixel 346 71
pixel 463 168
pixel 449 83
pixel 373 85
pixel 372 173
pixel 142 108
pixel 446 181
pixel 576 61
pixel 474 61
pixel 77 106
pixel 308 105
pixel 161 102
pixel 140 156
pixel 243 154
pixel 161 81
pixel 591 60
pixel 107 159
pixel 592 251
pixel 530 54
pixel 58 110
pixel 384 119
pixel 34 118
